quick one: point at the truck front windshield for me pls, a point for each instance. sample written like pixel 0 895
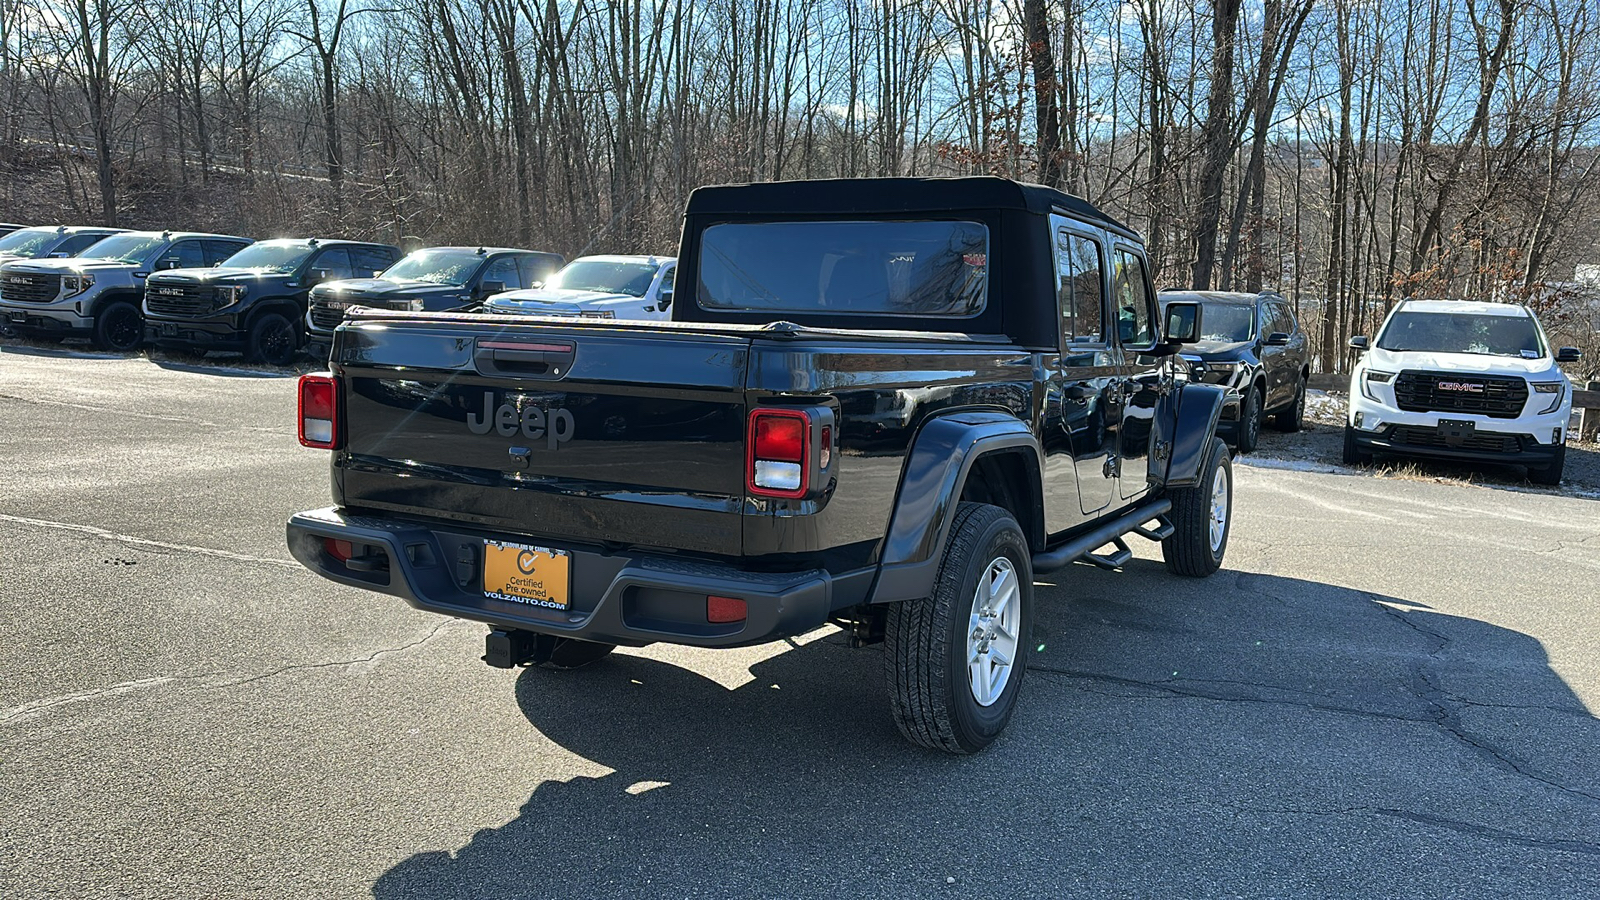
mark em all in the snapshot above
pixel 452 267
pixel 270 256
pixel 1484 335
pixel 1228 322
pixel 882 268
pixel 606 277
pixel 127 248
pixel 29 242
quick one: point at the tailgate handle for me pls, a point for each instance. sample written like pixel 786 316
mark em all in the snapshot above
pixel 529 359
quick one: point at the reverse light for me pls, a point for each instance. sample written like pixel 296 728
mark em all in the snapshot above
pixel 1371 376
pixel 779 440
pixel 319 411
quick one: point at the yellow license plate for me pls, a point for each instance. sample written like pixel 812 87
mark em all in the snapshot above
pixel 521 573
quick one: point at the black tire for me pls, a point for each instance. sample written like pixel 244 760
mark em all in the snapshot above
pixel 1191 549
pixel 118 327
pixel 931 690
pixel 1550 474
pixel 1252 409
pixel 1353 454
pixel 1289 418
pixel 273 340
pixel 571 653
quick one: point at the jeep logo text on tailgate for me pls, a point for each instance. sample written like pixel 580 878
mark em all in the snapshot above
pixel 555 426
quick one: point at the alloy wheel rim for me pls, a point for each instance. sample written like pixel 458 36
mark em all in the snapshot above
pixel 994 631
pixel 276 341
pixel 123 331
pixel 1218 520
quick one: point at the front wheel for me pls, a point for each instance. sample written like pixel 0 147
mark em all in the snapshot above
pixel 1251 410
pixel 954 661
pixel 1202 516
pixel 119 327
pixel 1550 474
pixel 273 340
pixel 1353 454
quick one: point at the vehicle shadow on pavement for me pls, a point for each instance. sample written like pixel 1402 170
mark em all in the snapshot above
pixel 1247 734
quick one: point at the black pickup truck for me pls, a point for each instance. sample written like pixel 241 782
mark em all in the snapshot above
pixel 885 403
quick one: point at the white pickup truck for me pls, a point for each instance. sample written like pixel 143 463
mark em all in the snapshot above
pixel 597 287
pixel 1461 380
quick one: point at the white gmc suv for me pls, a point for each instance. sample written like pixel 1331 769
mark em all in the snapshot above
pixel 1461 380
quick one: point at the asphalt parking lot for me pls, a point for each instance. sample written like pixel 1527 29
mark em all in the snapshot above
pixel 1388 692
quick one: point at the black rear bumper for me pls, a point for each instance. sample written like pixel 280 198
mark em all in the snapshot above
pixel 629 599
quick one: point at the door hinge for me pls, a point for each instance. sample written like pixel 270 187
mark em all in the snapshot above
pixel 1113 467
pixel 1161 450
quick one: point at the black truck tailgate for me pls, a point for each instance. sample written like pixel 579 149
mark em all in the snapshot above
pixel 615 434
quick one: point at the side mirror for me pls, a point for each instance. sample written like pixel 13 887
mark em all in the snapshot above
pixel 318 276
pixel 664 300
pixel 170 262
pixel 1181 323
pixel 487 288
pixel 535 284
pixel 1568 355
pixel 1278 339
pixel 1359 342
pixel 60 255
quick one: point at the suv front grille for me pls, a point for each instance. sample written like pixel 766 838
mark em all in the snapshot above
pixel 1497 396
pixel 1485 441
pixel 27 287
pixel 180 299
pixel 327 313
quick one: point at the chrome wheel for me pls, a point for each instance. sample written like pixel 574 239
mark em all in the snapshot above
pixel 993 631
pixel 1219 508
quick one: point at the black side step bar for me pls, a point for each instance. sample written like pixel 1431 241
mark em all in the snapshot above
pixel 1083 546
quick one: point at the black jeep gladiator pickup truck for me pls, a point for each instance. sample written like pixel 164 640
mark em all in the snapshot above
pixel 884 403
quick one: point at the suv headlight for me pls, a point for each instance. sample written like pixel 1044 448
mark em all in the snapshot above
pixel 229 294
pixel 1556 389
pixel 73 285
pixel 1374 375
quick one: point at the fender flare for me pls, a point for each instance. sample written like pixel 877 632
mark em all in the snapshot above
pixel 117 295
pixel 936 469
pixel 1199 407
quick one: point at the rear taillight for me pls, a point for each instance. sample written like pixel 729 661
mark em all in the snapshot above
pixel 780 453
pixel 319 411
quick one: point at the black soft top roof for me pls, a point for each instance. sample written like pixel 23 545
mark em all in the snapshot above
pixel 879 195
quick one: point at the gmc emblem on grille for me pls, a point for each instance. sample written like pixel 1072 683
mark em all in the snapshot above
pixel 1463 386
pixel 170 292
pixel 18 279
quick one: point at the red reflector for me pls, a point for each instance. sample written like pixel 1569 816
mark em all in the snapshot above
pixel 780 437
pixel 340 550
pixel 318 421
pixel 722 610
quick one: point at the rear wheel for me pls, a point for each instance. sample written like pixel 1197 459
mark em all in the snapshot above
pixel 1353 454
pixel 119 327
pixel 1550 474
pixel 1202 516
pixel 273 340
pixel 1251 411
pixel 1289 418
pixel 954 661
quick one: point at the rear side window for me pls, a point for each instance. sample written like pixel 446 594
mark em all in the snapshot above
pixel 1135 315
pixel 1080 288
pixel 893 268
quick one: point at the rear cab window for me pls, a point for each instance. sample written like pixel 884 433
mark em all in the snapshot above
pixel 916 268
pixel 1080 288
